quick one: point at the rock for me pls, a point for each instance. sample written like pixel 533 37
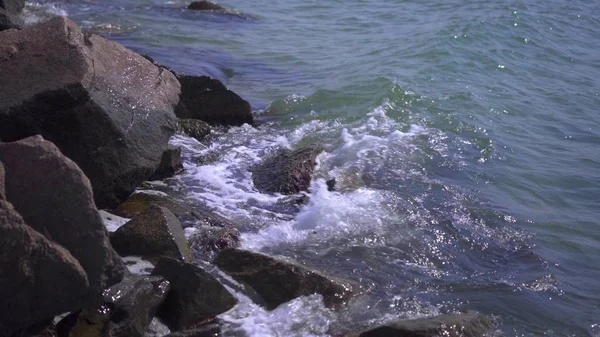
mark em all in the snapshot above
pixel 155 232
pixel 195 295
pixel 278 281
pixel 194 128
pixel 126 311
pixel 207 241
pixel 170 164
pixel 39 279
pixel 9 20
pixel 205 6
pixel 209 100
pixel 2 190
pixel 468 324
pixel 55 198
pixel 331 184
pixel 207 330
pixel 139 202
pixel 288 172
pixel 12 6
pixel 108 109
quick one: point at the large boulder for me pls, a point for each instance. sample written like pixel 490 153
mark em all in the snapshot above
pixel 38 279
pixel 154 233
pixel 195 296
pixel 468 324
pixel 126 311
pixel 170 164
pixel 108 109
pixel 288 172
pixel 194 128
pixel 55 198
pixel 204 5
pixel 209 100
pixel 278 281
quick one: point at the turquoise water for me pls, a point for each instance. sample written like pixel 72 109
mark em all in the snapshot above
pixel 464 136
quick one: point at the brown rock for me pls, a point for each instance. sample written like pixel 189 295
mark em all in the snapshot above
pixel 55 198
pixel 278 281
pixel 194 128
pixel 108 109
pixel 208 241
pixel 170 164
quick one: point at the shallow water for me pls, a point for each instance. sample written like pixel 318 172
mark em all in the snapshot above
pixel 463 135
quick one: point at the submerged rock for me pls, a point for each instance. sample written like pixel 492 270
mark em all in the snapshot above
pixel 40 279
pixel 195 296
pixel 468 324
pixel 108 109
pixel 205 6
pixel 209 100
pixel 278 281
pixel 170 164
pixel 194 128
pixel 207 241
pixel 126 311
pixel 289 172
pixel 155 232
pixel 55 198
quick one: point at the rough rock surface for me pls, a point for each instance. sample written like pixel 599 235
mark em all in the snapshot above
pixel 55 198
pixel 9 20
pixel 278 281
pixel 126 311
pixel 38 279
pixel 468 324
pixel 208 241
pixel 170 164
pixel 205 6
pixel 288 172
pixel 2 190
pixel 139 202
pixel 194 128
pixel 195 295
pixel 108 109
pixel 209 100
pixel 155 232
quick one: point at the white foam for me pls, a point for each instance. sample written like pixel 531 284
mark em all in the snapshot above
pixel 35 12
pixel 137 265
pixel 112 222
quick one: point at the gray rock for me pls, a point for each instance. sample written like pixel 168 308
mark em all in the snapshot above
pixel 209 100
pixel 126 311
pixel 278 281
pixel 468 324
pixel 207 330
pixel 205 6
pixel 12 6
pixel 170 164
pixel 208 241
pixel 194 128
pixel 288 172
pixel 2 189
pixel 55 198
pixel 38 279
pixel 195 295
pixel 108 109
pixel 9 20
pixel 154 233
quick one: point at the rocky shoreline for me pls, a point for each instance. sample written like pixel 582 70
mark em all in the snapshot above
pixel 84 122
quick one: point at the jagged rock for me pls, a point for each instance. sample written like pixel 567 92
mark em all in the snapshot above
pixel 194 128
pixel 278 281
pixel 170 164
pixel 288 172
pixel 207 241
pixel 468 324
pixel 2 190
pixel 209 100
pixel 55 198
pixel 139 202
pixel 155 232
pixel 38 279
pixel 108 109
pixel 126 311
pixel 205 6
pixel 195 295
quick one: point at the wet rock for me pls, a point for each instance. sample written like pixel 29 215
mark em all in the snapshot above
pixel 155 232
pixel 205 6
pixel 9 20
pixel 195 295
pixel 331 184
pixel 194 128
pixel 207 330
pixel 40 279
pixel 55 198
pixel 289 172
pixel 207 241
pixel 468 324
pixel 209 100
pixel 278 281
pixel 2 190
pixel 126 311
pixel 170 164
pixel 139 202
pixel 108 109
